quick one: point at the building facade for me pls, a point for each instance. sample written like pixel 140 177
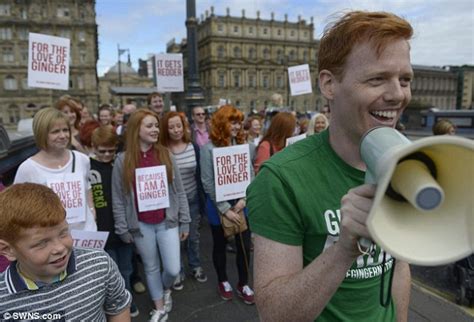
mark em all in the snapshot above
pixel 245 60
pixel 465 89
pixel 128 87
pixel 73 19
pixel 434 87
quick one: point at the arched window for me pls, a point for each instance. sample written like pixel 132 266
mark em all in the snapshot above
pixel 220 52
pixel 237 52
pixel 252 53
pixel 266 53
pixel 10 83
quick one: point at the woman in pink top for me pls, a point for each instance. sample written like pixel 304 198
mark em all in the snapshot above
pixel 282 127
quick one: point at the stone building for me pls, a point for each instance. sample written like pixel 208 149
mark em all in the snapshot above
pixel 433 87
pixel 245 60
pixel 73 19
pixel 131 87
pixel 465 89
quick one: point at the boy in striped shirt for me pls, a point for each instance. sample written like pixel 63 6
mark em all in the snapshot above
pixel 48 279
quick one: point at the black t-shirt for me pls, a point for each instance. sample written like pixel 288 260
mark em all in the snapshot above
pixel 101 185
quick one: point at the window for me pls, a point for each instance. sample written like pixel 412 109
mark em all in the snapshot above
pixel 279 32
pixel 279 81
pixel 266 53
pixel 80 82
pixel 280 56
pixel 265 82
pixel 4 9
pixel 24 83
pixel 65 33
pixel 8 55
pixel 82 56
pixel 24 55
pixel 10 84
pixel 292 33
pixel 221 80
pixel 82 36
pixel 71 84
pixel 265 31
pixel 220 28
pixel 23 33
pixel 252 104
pixel 63 13
pixel 14 114
pixel 305 56
pixel 236 80
pixel 5 33
pixel 292 55
pixel 237 103
pixel 306 34
pixel 252 81
pixel 251 53
pixel 237 52
pixel 24 14
pixel 236 29
pixel 251 30
pixel 220 52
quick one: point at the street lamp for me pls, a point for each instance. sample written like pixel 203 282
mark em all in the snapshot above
pixel 121 51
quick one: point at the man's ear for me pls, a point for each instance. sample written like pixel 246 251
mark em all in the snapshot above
pixel 326 83
pixel 7 250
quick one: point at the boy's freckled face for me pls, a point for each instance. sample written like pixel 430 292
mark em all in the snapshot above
pixel 43 252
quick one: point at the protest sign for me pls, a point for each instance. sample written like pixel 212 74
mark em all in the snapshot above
pixel 152 188
pixel 295 139
pixel 300 80
pixel 231 171
pixel 48 61
pixel 71 190
pixel 89 239
pixel 169 72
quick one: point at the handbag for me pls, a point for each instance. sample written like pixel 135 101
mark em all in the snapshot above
pixel 231 228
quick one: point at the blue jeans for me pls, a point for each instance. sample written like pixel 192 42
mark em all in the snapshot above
pixel 159 246
pixel 122 256
pixel 192 242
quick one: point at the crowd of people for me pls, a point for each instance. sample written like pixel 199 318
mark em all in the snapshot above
pixel 306 205
pixel 100 154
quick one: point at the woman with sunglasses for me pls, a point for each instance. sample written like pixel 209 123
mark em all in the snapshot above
pixel 156 231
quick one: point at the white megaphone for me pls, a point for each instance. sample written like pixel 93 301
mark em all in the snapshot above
pixel 423 206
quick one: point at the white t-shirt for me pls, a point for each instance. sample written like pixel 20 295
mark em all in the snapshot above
pixel 32 171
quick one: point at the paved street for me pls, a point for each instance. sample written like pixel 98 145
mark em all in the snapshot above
pixel 200 301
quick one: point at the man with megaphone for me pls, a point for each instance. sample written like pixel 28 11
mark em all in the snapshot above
pixel 309 204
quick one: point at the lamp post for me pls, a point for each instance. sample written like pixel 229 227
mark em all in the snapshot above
pixel 194 94
pixel 287 65
pixel 121 51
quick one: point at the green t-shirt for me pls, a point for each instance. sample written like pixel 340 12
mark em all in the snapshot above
pixel 296 200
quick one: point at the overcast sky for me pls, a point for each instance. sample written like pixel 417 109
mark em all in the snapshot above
pixel 444 29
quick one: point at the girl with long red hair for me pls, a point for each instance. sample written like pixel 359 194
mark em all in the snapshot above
pixel 155 232
pixel 226 130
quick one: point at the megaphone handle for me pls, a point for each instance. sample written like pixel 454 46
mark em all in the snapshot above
pixel 366 244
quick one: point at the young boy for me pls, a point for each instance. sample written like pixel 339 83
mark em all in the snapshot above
pixel 48 279
pixel 104 142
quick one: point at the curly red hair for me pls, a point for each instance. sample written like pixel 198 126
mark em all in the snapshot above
pixel 220 126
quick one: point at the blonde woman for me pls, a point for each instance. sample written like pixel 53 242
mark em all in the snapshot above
pixel 318 123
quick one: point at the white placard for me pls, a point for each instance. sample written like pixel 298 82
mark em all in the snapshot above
pixel 223 101
pixel 300 80
pixel 169 72
pixel 48 61
pixel 295 139
pixel 152 188
pixel 89 239
pixel 231 171
pixel 71 190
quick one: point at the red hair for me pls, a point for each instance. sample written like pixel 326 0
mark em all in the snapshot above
pixel 73 104
pixel 282 127
pixel 339 38
pixel 132 148
pixel 220 126
pixel 85 133
pixel 164 132
pixel 28 205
